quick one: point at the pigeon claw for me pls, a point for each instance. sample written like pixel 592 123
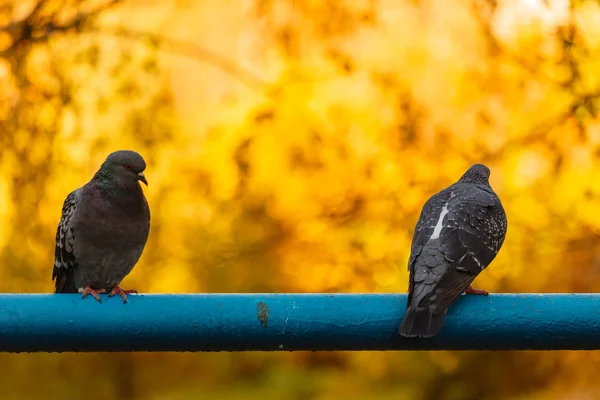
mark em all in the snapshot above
pixel 123 293
pixel 89 290
pixel 471 290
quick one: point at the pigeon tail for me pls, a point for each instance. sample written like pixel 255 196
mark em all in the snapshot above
pixel 65 282
pixel 422 322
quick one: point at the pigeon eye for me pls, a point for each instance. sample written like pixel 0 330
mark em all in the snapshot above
pixel 127 166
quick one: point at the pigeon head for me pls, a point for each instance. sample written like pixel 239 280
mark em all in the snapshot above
pixel 123 168
pixel 477 173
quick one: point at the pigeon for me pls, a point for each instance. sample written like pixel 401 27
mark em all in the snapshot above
pixel 103 229
pixel 459 232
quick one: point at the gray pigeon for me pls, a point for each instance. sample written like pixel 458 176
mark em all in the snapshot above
pixel 103 229
pixel 459 233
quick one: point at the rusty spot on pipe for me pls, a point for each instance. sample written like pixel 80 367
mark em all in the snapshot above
pixel 262 313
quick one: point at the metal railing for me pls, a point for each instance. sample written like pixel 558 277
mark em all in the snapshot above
pixel 289 322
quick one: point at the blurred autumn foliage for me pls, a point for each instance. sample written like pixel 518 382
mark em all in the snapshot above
pixel 290 146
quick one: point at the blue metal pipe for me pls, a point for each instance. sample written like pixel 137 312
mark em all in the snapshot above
pixel 287 322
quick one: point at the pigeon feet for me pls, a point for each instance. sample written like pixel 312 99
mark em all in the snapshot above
pixel 89 290
pixel 123 293
pixel 471 290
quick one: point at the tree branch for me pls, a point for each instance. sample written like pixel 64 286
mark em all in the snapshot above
pixel 28 30
pixel 187 49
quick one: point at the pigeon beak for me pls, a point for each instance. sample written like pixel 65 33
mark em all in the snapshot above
pixel 142 177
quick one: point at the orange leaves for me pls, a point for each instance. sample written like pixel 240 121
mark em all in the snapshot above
pixel 316 182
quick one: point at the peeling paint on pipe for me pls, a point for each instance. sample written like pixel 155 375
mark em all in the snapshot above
pixel 290 322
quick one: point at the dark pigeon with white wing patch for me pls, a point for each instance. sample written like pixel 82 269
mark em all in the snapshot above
pixel 103 229
pixel 459 232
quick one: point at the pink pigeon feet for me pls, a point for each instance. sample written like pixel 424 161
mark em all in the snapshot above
pixel 470 290
pixel 89 290
pixel 123 293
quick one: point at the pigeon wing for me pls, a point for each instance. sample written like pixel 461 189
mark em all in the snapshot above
pixel 64 257
pixel 425 227
pixel 470 240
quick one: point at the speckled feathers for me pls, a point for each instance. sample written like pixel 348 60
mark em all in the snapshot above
pixel 103 228
pixel 459 233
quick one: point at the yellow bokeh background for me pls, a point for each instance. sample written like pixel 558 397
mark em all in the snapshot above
pixel 290 147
